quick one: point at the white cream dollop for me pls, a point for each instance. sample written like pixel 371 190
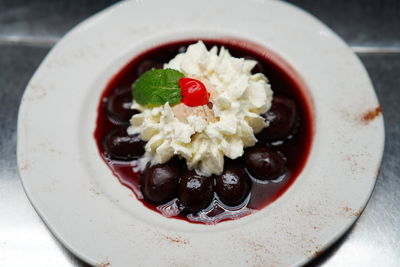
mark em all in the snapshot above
pixel 238 98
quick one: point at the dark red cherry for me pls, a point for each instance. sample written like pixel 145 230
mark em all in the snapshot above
pixel 121 146
pixel 264 163
pixel 146 65
pixel 281 117
pixel 195 191
pixel 159 182
pixel 258 68
pixel 233 185
pixel 182 49
pixel 119 106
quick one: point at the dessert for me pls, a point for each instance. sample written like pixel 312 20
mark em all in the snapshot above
pixel 192 130
pixel 204 138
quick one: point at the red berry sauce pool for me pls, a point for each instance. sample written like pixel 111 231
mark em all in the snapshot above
pixel 247 184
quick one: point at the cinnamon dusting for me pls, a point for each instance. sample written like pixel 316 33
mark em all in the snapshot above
pixel 371 115
pixel 176 240
pixel 182 112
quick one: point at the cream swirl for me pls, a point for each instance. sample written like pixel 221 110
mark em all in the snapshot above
pixel 204 135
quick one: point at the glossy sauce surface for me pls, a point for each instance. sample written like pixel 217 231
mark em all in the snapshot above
pixel 284 82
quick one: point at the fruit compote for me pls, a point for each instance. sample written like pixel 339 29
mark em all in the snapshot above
pixel 247 184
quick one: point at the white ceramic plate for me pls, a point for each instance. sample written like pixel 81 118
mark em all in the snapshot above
pixel 101 221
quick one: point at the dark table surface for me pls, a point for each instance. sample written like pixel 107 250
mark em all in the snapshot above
pixel 28 30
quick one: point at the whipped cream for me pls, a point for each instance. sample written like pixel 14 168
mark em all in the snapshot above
pixel 204 135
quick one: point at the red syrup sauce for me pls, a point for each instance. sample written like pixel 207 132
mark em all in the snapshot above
pixel 285 82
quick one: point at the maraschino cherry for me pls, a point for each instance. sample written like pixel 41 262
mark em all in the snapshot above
pixel 193 91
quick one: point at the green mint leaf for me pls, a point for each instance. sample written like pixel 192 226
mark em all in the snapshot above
pixel 157 87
